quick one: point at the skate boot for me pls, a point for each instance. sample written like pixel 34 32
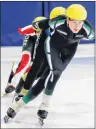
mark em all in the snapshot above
pixel 9 89
pixel 22 93
pixel 17 96
pixel 10 114
pixel 12 111
pixel 43 109
pixel 42 115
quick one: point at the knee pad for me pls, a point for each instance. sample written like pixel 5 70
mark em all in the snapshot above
pixel 57 72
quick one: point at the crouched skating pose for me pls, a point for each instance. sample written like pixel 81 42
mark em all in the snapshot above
pixel 63 37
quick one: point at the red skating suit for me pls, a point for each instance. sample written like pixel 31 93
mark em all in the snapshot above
pixel 25 62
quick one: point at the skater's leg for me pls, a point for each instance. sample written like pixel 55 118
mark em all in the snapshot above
pixel 36 89
pixel 59 64
pixel 24 62
pixel 33 73
pixel 32 94
pixel 40 76
pixel 21 82
pixel 10 88
pixel 23 78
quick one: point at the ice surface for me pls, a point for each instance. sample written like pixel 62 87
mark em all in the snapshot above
pixel 73 99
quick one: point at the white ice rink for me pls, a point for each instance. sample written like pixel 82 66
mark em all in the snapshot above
pixel 73 99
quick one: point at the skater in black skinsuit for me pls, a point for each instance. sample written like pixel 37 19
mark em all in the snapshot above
pixel 40 54
pixel 63 37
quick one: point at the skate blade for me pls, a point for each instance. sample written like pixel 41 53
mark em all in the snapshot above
pixel 3 124
pixel 6 119
pixel 39 123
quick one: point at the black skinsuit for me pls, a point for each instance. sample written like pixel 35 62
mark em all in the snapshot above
pixel 60 47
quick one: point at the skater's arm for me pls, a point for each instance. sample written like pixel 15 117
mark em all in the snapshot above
pixel 54 23
pixel 27 30
pixel 89 32
pixel 41 25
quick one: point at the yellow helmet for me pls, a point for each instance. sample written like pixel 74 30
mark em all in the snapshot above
pixel 76 12
pixel 40 18
pixel 57 11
